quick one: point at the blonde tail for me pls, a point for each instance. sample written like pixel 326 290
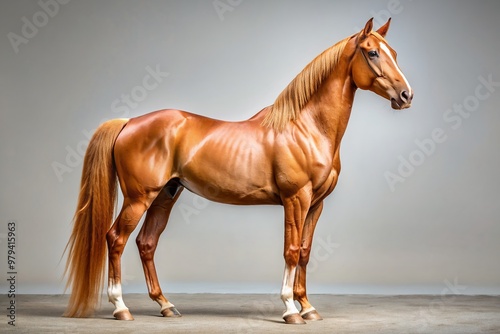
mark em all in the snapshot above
pixel 94 214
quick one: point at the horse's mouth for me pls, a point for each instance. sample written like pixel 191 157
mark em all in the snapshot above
pixel 399 105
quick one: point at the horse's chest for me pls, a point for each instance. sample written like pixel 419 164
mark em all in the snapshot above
pixel 324 176
pixel 325 185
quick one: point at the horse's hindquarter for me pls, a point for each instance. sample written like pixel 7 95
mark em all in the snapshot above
pixel 144 151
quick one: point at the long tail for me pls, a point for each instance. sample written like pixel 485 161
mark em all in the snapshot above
pixel 93 217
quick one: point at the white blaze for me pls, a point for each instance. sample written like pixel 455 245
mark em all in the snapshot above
pixel 389 54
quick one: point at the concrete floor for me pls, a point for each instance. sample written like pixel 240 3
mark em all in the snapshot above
pixel 231 313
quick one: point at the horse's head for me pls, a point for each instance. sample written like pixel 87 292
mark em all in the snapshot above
pixel 374 67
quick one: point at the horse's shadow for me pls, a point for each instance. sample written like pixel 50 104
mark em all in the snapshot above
pixel 53 307
pixel 57 312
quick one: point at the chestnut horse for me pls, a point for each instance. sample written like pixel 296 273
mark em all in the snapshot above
pixel 287 154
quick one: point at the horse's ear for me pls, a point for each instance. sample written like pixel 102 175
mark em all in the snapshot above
pixel 367 29
pixel 383 29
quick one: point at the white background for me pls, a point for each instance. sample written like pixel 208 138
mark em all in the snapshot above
pixel 438 231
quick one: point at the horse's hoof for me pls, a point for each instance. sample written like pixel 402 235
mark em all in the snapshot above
pixel 294 319
pixel 312 316
pixel 123 315
pixel 171 312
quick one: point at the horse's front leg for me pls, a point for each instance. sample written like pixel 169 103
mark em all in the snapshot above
pixel 308 312
pixel 296 208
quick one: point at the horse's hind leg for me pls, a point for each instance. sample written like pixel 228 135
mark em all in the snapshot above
pixel 147 240
pixel 117 237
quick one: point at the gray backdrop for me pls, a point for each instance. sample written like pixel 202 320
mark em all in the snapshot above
pixel 416 209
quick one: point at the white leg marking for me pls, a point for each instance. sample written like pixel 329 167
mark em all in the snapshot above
pixel 115 297
pixel 307 310
pixel 165 306
pixel 389 54
pixel 287 291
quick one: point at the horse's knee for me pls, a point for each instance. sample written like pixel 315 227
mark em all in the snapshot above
pixel 291 255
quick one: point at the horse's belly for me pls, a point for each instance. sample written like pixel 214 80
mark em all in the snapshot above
pixel 231 181
pixel 223 191
pixel 229 166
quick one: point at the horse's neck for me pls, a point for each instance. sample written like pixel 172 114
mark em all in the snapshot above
pixel 331 106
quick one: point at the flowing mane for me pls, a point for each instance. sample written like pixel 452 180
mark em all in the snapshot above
pixel 295 96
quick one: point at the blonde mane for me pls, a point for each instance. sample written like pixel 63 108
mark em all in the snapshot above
pixel 295 96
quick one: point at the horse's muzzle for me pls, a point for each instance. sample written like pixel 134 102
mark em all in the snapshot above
pixel 403 101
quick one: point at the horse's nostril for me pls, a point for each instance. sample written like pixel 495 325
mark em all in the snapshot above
pixel 405 96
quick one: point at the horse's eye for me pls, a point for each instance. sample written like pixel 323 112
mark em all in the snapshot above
pixel 372 54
